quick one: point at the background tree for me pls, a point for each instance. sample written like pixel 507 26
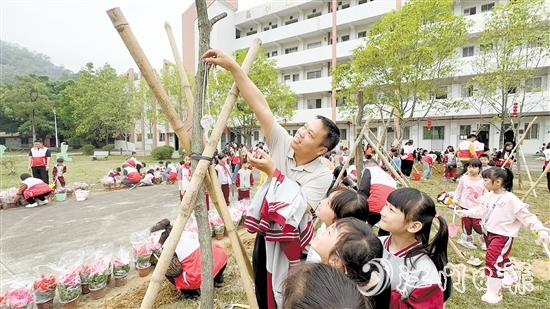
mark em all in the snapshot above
pixel 281 99
pixel 512 48
pixel 99 103
pixel 404 62
pixel 27 104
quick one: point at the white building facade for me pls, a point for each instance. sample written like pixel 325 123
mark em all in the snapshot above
pixel 298 35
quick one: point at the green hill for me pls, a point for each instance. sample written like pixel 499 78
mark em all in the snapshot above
pixel 17 60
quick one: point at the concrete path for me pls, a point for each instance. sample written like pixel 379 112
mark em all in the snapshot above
pixel 35 236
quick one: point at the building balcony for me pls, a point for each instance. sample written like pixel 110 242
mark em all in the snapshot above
pixel 315 85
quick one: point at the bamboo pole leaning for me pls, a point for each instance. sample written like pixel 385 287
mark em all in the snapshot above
pixel 211 183
pixel 122 26
pixel 522 155
pixel 520 141
pixel 394 172
pixel 385 160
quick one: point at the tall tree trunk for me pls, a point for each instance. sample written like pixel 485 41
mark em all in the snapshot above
pixel 33 129
pixel 359 149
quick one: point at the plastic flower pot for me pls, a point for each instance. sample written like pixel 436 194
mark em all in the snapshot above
pixel 46 305
pixel 85 289
pixel 121 281
pixel 144 272
pixel 98 294
pixel 71 305
pixel 60 196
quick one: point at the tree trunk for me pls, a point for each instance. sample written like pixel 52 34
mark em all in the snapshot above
pixel 359 149
pixel 201 214
pixel 33 129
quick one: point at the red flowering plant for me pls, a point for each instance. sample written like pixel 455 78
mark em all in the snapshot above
pixel 142 248
pixel 44 283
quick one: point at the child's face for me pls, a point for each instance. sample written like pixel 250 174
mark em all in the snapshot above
pixel 59 163
pixel 186 160
pixel 484 161
pixel 324 242
pixel 491 185
pixel 324 212
pixel 473 171
pixel 392 219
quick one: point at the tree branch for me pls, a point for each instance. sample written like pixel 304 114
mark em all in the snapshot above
pixel 217 18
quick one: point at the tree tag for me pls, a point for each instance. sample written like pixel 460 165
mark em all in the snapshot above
pixel 207 121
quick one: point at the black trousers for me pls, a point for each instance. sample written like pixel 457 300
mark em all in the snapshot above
pixel 374 218
pixel 40 172
pixel 259 261
pixel 548 181
pixel 406 167
pixel 32 200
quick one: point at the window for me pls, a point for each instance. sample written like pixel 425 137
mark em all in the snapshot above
pixel 286 78
pixel 442 93
pixel 533 84
pixel 466 91
pixel 361 34
pixel 266 28
pixel 345 38
pixel 345 6
pixel 470 11
pixel 533 132
pixel 291 20
pixel 252 31
pixel 295 77
pixel 274 53
pixel 464 131
pixel 343 134
pixel 313 45
pixel 313 103
pixel 467 51
pixel 237 33
pixel 407 133
pixel 149 135
pixel 487 7
pixel 138 137
pixel 313 14
pixel 162 137
pixel 291 50
pixel 256 135
pixel 512 89
pixel 434 133
pixel 314 74
pixel 363 1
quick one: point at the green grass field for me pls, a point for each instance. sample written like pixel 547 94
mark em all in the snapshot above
pixel 82 168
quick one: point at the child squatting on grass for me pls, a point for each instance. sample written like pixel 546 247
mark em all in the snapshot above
pixel 502 215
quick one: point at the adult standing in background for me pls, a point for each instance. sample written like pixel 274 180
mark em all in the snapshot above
pixel 546 158
pixel 39 160
pixel 465 152
pixel 407 158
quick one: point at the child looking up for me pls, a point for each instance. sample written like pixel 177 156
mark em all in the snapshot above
pixel 349 245
pixel 416 262
pixel 58 172
pixel 502 215
pixel 244 181
pixel 341 203
pixel 467 196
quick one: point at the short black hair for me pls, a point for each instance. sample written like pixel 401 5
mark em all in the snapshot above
pixel 333 133
pixel 472 136
pixel 38 140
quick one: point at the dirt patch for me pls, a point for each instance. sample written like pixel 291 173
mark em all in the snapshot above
pixel 131 295
pixel 541 269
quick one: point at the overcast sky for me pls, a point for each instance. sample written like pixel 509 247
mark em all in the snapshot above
pixel 75 32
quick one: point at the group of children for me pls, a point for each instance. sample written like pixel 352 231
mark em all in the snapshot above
pixel 407 269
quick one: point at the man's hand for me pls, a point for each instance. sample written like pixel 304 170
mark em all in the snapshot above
pixel 218 57
pixel 263 162
pixel 30 167
pixel 47 167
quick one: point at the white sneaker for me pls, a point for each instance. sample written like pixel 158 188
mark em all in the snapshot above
pixel 32 205
pixel 466 244
pixel 44 202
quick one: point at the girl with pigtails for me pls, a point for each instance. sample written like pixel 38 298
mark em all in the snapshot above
pixel 419 278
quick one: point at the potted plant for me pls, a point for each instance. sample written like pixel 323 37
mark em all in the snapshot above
pixel 143 259
pixel 97 281
pixel 69 288
pixel 44 290
pixel 19 298
pixel 121 265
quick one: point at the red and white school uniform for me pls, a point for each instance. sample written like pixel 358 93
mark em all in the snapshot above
pixel 466 151
pixel 479 148
pixel 414 285
pixel 189 254
pixel 58 172
pixel 132 174
pixel 39 156
pixel 377 185
pixel 35 187
pixel 244 181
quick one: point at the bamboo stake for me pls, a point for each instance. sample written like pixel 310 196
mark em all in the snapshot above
pixel 527 169
pixel 181 70
pixel 383 158
pixel 385 153
pixel 394 172
pixel 520 141
pixel 352 151
pixel 212 187
pixel 122 26
pixel 546 170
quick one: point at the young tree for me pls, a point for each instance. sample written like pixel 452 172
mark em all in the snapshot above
pixel 513 48
pixel 26 102
pixel 404 61
pixel 281 99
